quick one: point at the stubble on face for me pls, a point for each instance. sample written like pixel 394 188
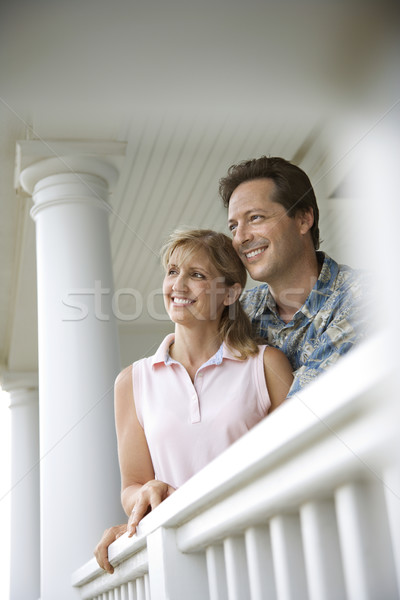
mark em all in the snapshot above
pixel 264 236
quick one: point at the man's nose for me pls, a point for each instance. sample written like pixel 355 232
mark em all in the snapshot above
pixel 242 234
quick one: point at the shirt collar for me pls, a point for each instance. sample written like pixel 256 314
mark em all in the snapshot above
pixel 322 288
pixel 162 356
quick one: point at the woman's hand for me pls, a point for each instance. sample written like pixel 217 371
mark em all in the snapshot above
pixel 150 495
pixel 101 550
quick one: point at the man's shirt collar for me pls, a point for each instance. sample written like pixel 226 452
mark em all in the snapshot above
pixel 322 288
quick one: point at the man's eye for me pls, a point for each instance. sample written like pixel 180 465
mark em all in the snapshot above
pixel 232 227
pixel 255 217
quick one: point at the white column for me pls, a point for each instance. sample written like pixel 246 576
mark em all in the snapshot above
pixel 78 363
pixel 25 511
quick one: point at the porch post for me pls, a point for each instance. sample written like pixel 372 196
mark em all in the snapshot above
pixel 78 362
pixel 25 526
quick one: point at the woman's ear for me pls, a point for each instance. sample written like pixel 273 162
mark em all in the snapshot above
pixel 232 294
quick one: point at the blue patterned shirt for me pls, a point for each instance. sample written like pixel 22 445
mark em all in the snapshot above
pixel 330 322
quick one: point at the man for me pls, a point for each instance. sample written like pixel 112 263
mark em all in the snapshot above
pixel 308 306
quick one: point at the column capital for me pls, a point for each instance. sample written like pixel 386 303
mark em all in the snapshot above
pixel 39 159
pixel 12 381
pixel 70 187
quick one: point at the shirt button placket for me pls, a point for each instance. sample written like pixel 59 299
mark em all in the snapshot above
pixel 194 408
pixel 195 402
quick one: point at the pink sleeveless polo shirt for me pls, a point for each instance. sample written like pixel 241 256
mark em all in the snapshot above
pixel 186 423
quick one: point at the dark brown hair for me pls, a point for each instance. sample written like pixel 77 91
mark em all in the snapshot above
pixel 293 189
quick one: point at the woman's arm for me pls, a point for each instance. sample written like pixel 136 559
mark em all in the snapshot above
pixel 278 376
pixel 133 453
pixel 140 492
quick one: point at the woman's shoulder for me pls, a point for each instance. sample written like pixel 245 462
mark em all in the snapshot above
pixel 274 355
pixel 123 379
pixel 270 354
pixel 277 364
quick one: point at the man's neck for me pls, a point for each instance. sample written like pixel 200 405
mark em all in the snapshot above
pixel 290 295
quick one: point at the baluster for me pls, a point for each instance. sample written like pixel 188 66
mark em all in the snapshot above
pixel 140 591
pixel 115 594
pixel 132 590
pixel 322 551
pixel 288 559
pixel 392 498
pixel 124 592
pixel 147 586
pixel 217 584
pixel 259 560
pixel 236 568
pixel 364 536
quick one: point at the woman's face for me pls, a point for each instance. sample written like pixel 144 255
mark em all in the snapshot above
pixel 193 289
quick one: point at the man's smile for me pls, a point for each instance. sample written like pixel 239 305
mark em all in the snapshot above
pixel 253 253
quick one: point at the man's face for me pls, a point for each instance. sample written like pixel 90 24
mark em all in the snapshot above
pixel 269 243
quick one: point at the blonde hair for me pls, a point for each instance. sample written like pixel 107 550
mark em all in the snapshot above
pixel 234 326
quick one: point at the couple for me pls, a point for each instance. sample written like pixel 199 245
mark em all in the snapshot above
pixel 210 382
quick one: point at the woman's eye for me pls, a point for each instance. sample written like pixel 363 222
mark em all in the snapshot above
pixel 198 275
pixel 171 271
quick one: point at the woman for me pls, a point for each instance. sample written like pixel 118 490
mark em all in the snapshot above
pixel 206 386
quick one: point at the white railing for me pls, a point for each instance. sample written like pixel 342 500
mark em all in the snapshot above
pixel 305 506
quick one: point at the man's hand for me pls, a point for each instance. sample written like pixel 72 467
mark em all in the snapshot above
pixel 148 498
pixel 101 550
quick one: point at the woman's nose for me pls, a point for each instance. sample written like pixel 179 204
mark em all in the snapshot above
pixel 180 282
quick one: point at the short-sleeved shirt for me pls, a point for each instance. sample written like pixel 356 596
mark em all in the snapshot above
pixel 330 322
pixel 187 424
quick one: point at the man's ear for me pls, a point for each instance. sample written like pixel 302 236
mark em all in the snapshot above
pixel 232 294
pixel 305 219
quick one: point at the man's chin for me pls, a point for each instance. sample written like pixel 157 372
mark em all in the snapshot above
pixel 257 275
